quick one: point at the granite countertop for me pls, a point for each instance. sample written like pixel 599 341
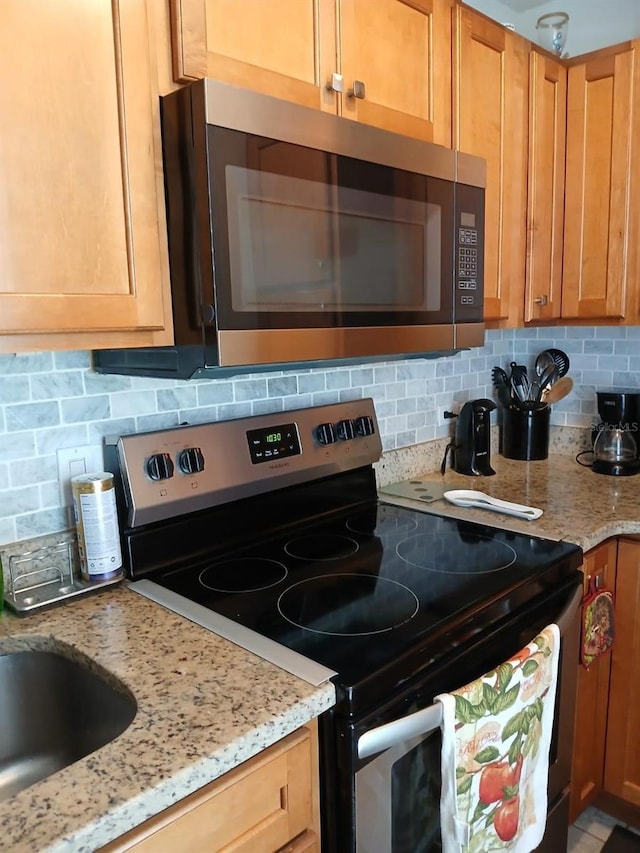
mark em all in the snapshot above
pixel 204 706
pixel 578 505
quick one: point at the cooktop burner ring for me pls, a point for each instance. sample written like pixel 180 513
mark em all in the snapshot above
pixel 244 570
pixel 321 547
pixel 400 603
pixel 483 553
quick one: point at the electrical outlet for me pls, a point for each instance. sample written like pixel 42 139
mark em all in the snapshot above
pixel 73 461
pixel 448 412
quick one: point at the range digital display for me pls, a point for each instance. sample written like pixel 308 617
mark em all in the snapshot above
pixel 276 442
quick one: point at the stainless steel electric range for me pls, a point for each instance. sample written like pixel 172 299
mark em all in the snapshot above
pixel 269 531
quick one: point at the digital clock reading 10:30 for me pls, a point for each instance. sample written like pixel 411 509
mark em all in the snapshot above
pixel 271 443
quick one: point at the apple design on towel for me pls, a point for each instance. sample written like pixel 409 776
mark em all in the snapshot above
pixel 496 778
pixel 506 818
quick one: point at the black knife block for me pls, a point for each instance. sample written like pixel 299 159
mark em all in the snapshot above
pixel 524 433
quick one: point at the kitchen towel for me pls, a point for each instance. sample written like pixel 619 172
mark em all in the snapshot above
pixel 496 734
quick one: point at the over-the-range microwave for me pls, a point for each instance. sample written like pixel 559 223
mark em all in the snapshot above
pixel 297 237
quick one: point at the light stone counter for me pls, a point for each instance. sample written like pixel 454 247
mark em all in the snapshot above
pixel 204 706
pixel 578 505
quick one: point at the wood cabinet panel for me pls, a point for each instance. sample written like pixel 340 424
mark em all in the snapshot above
pixel 268 803
pixel 284 48
pixel 82 201
pixel 399 49
pixel 587 772
pixel 545 203
pixel 622 766
pixel 490 120
pixel 597 275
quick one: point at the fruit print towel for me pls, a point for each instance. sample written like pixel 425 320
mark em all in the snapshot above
pixel 496 734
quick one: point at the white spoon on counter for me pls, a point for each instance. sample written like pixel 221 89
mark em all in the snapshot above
pixel 470 498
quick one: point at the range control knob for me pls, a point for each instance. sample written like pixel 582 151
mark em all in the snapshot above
pixel 346 430
pixel 364 425
pixel 326 434
pixel 191 460
pixel 160 466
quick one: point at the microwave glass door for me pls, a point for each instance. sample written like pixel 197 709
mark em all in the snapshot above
pixel 304 237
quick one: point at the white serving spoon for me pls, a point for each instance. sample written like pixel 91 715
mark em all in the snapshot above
pixel 470 498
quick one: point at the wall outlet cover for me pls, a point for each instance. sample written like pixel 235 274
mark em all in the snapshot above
pixel 73 461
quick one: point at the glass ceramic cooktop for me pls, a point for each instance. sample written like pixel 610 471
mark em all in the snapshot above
pixel 359 590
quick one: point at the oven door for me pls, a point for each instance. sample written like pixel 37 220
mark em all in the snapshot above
pixel 397 770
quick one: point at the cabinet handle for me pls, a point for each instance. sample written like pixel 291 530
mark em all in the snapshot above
pixel 358 90
pixel 336 84
pixel 541 300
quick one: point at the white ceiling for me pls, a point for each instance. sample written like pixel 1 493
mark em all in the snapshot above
pixel 523 5
pixel 592 23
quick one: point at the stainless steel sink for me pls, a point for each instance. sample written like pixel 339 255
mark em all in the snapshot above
pixel 53 711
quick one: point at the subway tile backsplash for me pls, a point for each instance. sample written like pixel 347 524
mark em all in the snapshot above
pixel 54 400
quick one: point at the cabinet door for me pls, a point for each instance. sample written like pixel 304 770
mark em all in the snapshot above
pixel 490 121
pixel 587 771
pixel 284 48
pixel 597 275
pixel 622 768
pixel 545 204
pixel 81 197
pixel 268 803
pixel 399 51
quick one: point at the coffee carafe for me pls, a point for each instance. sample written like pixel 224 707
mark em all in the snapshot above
pixel 616 446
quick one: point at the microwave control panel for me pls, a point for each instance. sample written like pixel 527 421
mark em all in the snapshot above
pixel 467 263
pixel 468 254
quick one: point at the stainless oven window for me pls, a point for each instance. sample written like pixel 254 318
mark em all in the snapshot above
pixel 298 244
pixel 398 798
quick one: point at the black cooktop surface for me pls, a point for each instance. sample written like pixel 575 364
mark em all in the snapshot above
pixel 368 586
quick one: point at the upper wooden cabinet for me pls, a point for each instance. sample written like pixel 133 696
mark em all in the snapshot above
pixel 401 51
pixel 545 200
pixel 490 109
pixel 385 63
pixel 83 255
pixel 601 215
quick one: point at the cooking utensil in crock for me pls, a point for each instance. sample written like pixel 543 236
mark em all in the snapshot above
pixel 558 391
pixel 500 381
pixel 546 379
pixel 561 360
pixel 543 360
pixel 520 381
pixel 558 357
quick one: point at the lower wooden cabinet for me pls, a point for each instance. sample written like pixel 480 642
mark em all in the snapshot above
pixel 606 752
pixel 622 757
pixel 269 804
pixel 587 772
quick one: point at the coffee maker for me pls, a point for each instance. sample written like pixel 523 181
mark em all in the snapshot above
pixel 616 445
pixel 471 449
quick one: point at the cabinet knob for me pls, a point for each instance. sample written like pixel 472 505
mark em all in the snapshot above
pixel 358 90
pixel 336 84
pixel 541 300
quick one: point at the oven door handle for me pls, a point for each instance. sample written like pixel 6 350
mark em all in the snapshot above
pixel 426 720
pixel 388 735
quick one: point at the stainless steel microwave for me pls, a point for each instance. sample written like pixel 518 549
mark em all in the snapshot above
pixel 298 237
